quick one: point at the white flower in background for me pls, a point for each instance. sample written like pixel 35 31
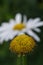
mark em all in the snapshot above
pixel 16 27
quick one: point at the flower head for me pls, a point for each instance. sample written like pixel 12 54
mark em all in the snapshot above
pixel 16 27
pixel 22 44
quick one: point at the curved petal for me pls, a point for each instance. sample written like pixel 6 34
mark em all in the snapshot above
pixel 29 23
pixel 7 26
pixel 8 35
pixel 34 23
pixel 31 33
pixel 18 18
pixel 39 24
pixel 24 19
pixel 36 20
pixel 37 29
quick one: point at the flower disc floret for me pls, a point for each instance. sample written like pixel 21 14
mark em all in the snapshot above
pixel 19 27
pixel 22 44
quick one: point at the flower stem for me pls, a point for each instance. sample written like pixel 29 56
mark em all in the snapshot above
pixel 24 60
pixel 18 62
pixel 21 60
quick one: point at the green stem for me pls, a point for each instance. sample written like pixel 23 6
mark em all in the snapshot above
pixel 24 60
pixel 21 60
pixel 18 62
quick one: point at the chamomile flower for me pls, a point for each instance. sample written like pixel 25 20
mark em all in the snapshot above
pixel 16 27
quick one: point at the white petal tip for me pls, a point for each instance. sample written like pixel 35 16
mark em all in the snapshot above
pixel 18 15
pixel 18 18
pixel 38 40
pixel 1 42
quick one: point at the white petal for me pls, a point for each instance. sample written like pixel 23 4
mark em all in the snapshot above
pixel 12 22
pixel 36 20
pixel 31 33
pixel 24 19
pixel 22 32
pixel 32 25
pixel 2 29
pixel 37 29
pixel 1 41
pixel 6 26
pixel 8 35
pixel 32 22
pixel 18 18
pixel 39 24
pixel 3 36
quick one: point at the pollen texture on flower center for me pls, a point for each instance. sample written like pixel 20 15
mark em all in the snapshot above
pixel 19 26
pixel 22 44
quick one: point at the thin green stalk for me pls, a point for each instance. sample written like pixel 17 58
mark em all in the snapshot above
pixel 21 60
pixel 18 62
pixel 24 61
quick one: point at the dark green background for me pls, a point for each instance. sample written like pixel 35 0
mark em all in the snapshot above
pixel 31 8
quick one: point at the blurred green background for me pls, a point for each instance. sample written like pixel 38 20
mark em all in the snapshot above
pixel 31 8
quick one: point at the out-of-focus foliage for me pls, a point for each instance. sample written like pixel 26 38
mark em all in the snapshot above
pixel 31 8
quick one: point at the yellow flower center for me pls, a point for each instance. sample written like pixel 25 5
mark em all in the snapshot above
pixel 22 44
pixel 19 26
